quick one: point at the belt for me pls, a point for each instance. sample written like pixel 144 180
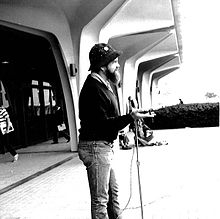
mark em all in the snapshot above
pixel 97 142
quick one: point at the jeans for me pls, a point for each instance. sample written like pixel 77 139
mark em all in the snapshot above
pixel 97 157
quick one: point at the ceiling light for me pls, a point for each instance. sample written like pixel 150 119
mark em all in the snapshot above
pixel 5 62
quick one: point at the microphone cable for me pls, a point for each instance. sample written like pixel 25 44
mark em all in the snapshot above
pixel 131 165
pixel 130 189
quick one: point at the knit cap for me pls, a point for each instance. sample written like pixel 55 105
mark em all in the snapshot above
pixel 102 54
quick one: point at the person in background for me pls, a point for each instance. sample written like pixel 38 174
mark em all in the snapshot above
pixel 181 101
pixel 100 124
pixel 57 120
pixel 5 126
pixel 124 141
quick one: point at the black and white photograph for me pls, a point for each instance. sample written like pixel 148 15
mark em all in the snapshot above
pixel 109 109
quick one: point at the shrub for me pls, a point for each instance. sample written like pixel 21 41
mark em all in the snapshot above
pixel 185 115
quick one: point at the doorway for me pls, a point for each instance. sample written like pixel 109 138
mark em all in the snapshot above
pixel 30 85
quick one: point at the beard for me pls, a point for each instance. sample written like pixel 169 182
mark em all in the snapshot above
pixel 114 77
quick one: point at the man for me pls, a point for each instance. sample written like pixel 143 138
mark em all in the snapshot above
pixel 57 120
pixel 100 124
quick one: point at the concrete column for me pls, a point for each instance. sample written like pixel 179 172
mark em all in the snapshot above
pixel 145 91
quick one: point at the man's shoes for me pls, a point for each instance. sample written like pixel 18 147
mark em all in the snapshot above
pixel 159 143
pixel 15 158
pixel 126 147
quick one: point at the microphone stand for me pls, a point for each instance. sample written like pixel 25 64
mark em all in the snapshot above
pixel 138 166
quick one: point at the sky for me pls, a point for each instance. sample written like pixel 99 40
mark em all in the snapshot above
pixel 199 72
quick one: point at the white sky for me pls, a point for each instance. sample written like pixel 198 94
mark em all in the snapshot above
pixel 200 72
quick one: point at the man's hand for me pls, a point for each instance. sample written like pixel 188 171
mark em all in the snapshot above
pixel 141 114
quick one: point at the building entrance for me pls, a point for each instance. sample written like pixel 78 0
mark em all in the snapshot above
pixel 30 86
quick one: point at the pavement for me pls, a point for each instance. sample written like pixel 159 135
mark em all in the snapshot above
pixel 32 160
pixel 177 181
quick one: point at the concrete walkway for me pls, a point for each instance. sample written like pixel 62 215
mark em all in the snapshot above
pixel 178 181
pixel 32 160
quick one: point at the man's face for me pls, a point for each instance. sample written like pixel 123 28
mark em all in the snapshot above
pixel 112 72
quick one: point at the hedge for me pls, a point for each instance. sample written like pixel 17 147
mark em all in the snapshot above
pixel 185 115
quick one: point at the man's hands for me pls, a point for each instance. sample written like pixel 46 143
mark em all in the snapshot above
pixel 141 114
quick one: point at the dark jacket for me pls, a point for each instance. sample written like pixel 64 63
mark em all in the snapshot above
pixel 99 113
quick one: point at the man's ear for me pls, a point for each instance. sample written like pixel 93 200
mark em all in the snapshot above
pixel 103 68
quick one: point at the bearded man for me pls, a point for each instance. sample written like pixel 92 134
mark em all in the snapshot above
pixel 101 122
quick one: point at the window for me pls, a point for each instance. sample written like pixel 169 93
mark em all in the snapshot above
pixel 41 98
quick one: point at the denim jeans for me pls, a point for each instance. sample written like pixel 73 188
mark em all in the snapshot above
pixel 97 157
